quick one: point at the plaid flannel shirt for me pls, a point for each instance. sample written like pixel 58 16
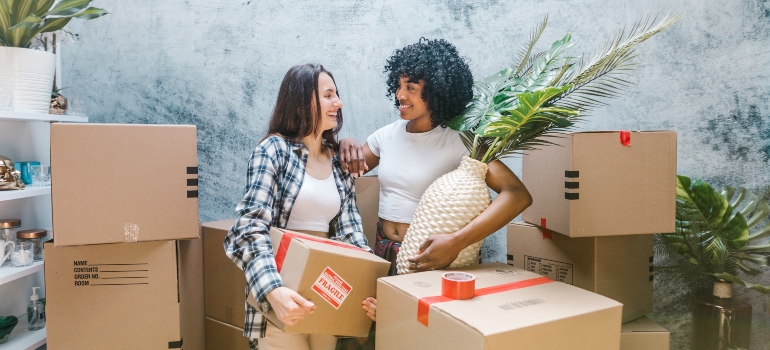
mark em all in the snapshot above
pixel 274 178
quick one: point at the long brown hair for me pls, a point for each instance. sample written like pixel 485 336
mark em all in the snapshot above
pixel 293 117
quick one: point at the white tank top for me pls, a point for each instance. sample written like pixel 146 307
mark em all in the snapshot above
pixel 317 203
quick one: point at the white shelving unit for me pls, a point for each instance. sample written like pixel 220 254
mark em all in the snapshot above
pixel 9 273
pixel 12 116
pixel 25 193
pixel 25 137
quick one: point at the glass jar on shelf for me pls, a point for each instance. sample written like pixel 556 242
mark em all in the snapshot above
pixel 9 228
pixel 36 237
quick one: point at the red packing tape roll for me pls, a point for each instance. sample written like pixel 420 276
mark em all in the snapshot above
pixel 458 285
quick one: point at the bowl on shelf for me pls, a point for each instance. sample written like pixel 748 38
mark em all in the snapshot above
pixel 7 323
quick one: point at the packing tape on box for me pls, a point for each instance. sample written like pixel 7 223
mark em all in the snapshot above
pixel 625 138
pixel 130 233
pixel 423 304
pixel 546 232
pixel 288 237
pixel 458 285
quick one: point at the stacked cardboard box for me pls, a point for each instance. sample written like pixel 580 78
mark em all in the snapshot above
pixel 125 268
pixel 597 198
pixel 225 289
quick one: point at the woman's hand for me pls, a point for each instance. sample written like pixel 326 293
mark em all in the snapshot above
pixel 352 157
pixel 289 306
pixel 370 306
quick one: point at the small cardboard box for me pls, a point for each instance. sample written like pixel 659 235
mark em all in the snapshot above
pixel 591 184
pixel 224 283
pixel 125 296
pixel 123 183
pixel 336 276
pixel 644 334
pixel 222 336
pixel 546 316
pixel 617 267
pixel 368 199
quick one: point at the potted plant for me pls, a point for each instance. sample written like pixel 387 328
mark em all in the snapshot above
pixel 514 110
pixel 720 234
pixel 26 73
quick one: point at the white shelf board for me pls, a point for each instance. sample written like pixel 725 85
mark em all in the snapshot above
pixel 39 117
pixel 25 193
pixel 9 273
pixel 24 339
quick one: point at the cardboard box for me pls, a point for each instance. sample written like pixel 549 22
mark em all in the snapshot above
pixel 224 283
pixel 125 296
pixel 220 336
pixel 546 316
pixel 644 334
pixel 336 276
pixel 590 184
pixel 123 183
pixel 618 267
pixel 368 199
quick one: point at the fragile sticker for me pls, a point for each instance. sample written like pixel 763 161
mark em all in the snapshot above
pixel 332 287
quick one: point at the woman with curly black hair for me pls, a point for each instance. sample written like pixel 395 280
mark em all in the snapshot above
pixel 430 84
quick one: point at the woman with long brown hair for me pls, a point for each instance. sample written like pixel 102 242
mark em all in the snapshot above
pixel 294 181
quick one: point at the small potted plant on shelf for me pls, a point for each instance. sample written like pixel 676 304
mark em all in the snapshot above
pixel 720 234
pixel 21 21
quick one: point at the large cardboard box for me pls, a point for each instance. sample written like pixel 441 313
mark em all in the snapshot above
pixel 222 336
pixel 368 199
pixel 547 316
pixel 618 267
pixel 125 296
pixel 644 334
pixel 591 184
pixel 224 283
pixel 123 183
pixel 336 276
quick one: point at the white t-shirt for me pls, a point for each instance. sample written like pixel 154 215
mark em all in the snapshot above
pixel 409 163
pixel 317 203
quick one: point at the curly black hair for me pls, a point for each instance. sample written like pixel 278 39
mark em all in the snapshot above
pixel 448 79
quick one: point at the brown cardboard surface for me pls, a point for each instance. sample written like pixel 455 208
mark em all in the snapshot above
pixel 224 283
pixel 110 179
pixel 620 190
pixel 644 334
pixel 618 267
pixel 306 261
pixel 222 336
pixel 124 296
pixel 368 199
pixel 548 316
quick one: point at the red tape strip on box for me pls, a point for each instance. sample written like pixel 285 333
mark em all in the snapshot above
pixel 288 236
pixel 423 305
pixel 546 232
pixel 625 138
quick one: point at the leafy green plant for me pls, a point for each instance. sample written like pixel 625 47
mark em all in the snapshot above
pixel 514 110
pixel 22 20
pixel 721 233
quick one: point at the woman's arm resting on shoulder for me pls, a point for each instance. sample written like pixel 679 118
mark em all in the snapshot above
pixel 357 159
pixel 439 251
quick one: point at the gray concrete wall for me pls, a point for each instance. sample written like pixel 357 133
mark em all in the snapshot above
pixel 218 64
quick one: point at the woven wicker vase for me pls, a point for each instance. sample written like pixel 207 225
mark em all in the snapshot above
pixel 449 203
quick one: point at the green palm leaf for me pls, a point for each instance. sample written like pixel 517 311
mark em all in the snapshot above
pixel 504 125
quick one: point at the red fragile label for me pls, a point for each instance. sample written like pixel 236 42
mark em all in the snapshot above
pixel 331 287
pixel 288 236
pixel 423 305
